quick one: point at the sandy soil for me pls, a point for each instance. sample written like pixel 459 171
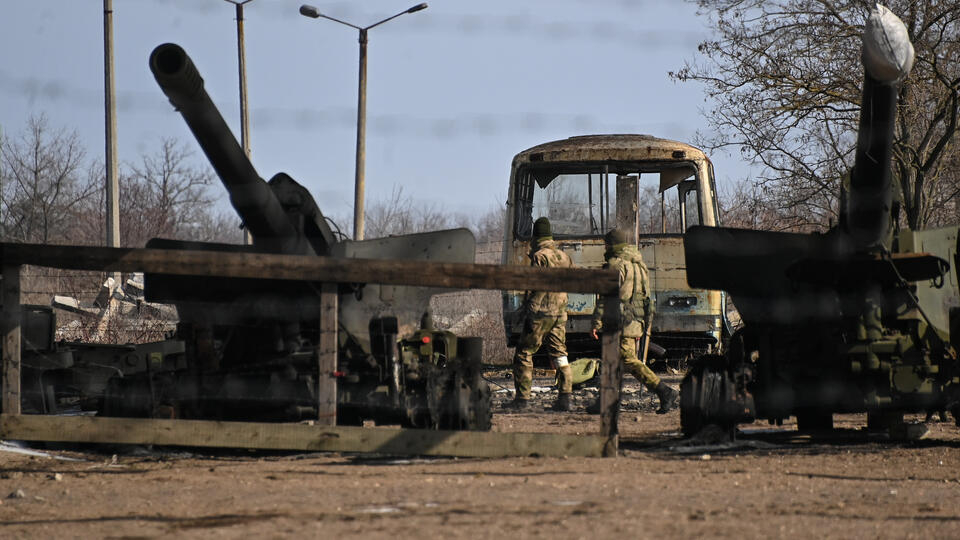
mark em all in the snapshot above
pixel 769 483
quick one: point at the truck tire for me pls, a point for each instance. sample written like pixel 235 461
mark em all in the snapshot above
pixel 704 393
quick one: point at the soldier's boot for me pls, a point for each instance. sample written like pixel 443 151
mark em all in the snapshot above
pixel 594 408
pixel 563 402
pixel 519 403
pixel 668 398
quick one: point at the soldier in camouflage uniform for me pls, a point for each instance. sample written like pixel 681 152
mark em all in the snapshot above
pixel 545 320
pixel 636 313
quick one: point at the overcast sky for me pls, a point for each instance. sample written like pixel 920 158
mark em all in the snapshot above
pixel 454 91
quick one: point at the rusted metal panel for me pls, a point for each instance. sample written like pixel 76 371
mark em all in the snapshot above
pixel 609 148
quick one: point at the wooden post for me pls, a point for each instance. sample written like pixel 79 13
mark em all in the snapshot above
pixel 327 356
pixel 10 333
pixel 611 375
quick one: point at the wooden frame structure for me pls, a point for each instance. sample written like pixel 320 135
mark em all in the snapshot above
pixel 324 436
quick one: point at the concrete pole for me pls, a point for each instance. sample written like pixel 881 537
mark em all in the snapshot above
pixel 244 115
pixel 110 107
pixel 361 139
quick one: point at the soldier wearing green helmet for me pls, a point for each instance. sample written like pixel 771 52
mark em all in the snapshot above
pixel 636 314
pixel 546 321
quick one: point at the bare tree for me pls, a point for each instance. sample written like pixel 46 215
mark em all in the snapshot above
pixel 785 78
pixel 488 226
pixel 401 214
pixel 50 194
pixel 947 189
pixel 658 212
pixel 747 205
pixel 164 195
pixel 44 185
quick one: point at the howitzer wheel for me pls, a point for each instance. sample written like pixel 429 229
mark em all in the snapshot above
pixel 458 396
pixel 704 396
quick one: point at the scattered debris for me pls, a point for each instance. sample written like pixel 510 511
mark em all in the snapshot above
pixel 379 510
pixel 632 399
pixel 112 302
pixel 18 447
pixel 909 432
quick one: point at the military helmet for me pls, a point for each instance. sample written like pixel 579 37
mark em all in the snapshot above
pixel 541 228
pixel 614 237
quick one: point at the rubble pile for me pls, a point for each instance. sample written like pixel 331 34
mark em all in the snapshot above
pixel 114 306
pixel 544 393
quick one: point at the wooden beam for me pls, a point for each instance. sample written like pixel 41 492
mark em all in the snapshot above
pixel 327 357
pixel 202 433
pixel 10 334
pixel 611 375
pixel 310 268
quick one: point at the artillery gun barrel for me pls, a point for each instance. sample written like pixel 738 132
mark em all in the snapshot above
pixel 887 58
pixel 253 199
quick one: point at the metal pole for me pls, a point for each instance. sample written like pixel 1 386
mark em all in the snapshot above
pixel 361 136
pixel 242 65
pixel 663 214
pixel 244 115
pixel 113 198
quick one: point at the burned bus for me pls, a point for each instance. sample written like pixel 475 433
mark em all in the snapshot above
pixel 652 188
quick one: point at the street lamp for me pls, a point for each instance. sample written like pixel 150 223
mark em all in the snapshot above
pixel 310 11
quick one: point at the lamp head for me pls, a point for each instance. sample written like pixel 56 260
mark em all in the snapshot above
pixel 309 11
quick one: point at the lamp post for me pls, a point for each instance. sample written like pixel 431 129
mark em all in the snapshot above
pixel 310 11
pixel 244 116
pixel 110 130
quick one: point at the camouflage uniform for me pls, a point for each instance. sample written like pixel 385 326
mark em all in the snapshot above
pixel 635 301
pixel 546 320
pixel 636 312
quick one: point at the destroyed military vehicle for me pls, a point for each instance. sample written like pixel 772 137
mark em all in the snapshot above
pixel 652 188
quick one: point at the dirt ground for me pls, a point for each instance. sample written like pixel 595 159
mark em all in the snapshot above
pixel 771 482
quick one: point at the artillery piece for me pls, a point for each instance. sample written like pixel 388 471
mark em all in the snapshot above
pixel 249 345
pixel 858 319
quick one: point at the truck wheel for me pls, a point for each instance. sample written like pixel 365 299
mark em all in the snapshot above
pixel 703 396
